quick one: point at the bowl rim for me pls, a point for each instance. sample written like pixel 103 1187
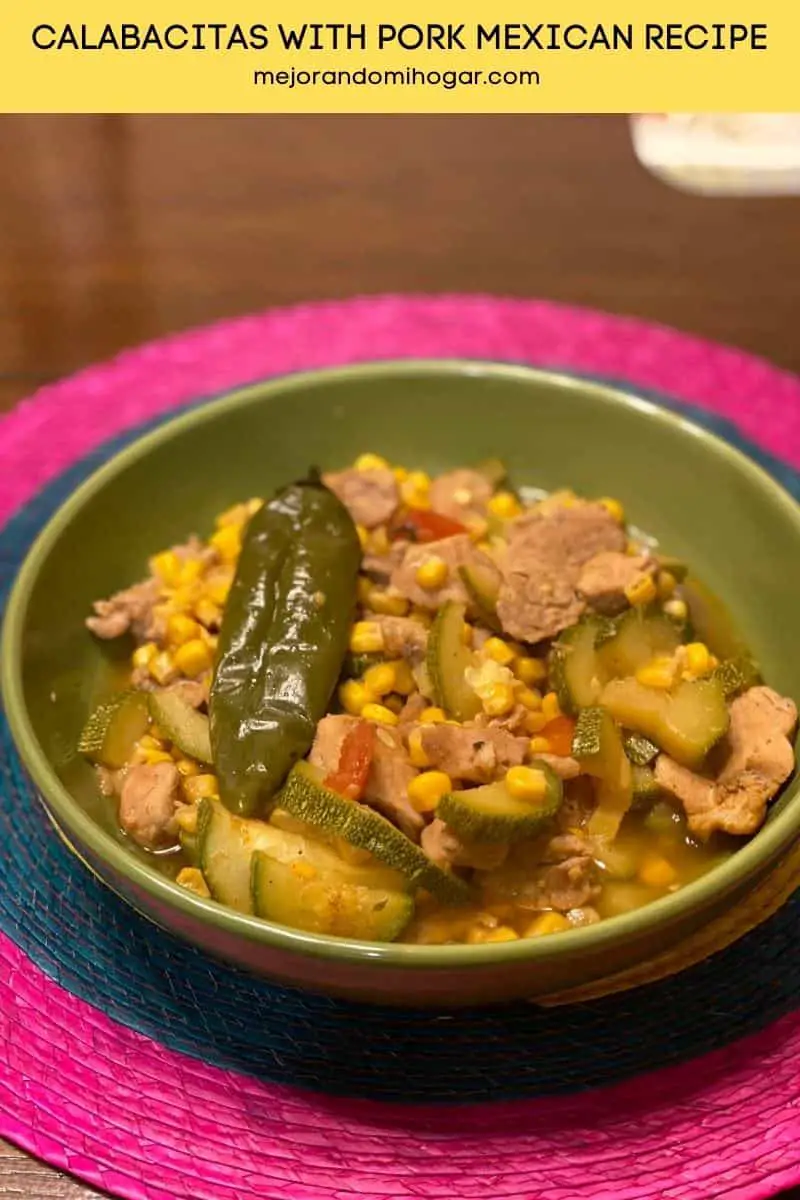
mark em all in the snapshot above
pixel 66 812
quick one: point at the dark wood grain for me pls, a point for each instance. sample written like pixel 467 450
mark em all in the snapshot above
pixel 118 229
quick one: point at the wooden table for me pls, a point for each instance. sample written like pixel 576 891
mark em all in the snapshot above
pixel 114 230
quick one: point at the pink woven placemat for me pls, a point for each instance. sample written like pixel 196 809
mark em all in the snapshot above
pixel 142 1121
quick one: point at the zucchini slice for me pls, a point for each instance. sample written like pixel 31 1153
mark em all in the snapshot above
pixel 685 722
pixel 182 725
pixel 491 814
pixel 446 661
pixel 639 749
pixel 483 589
pixel 304 796
pixel 640 636
pixel 736 675
pixel 295 889
pixel 597 745
pixel 114 728
pixel 225 845
pixel 577 672
pixel 645 787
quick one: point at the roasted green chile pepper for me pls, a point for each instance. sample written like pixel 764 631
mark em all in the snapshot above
pixel 283 640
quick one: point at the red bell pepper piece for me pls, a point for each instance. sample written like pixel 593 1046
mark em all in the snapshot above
pixel 559 733
pixel 355 759
pixel 423 525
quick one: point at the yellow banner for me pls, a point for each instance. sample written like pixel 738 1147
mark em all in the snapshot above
pixel 419 56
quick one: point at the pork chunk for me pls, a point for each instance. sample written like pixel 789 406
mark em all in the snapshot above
pixel 605 578
pixel 472 754
pixel 542 568
pixel 460 494
pixel 456 552
pixel 370 497
pixel 403 637
pixel 759 759
pixel 446 849
pixel 568 884
pixel 148 803
pixel 128 611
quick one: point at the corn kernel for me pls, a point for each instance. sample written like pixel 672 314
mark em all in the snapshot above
pixel 237 514
pixel 503 933
pixel 404 681
pixel 643 591
pixel 363 536
pixel 530 670
pixel 183 598
pixel 466 633
pixel 186 819
pixel 379 540
pixel 529 698
pixel 387 604
pixel 427 789
pixel 504 505
pixel 432 573
pixel 166 566
pixel 660 674
pixel 432 716
pixel 535 722
pixel 190 571
pixel 550 706
pixel 207 613
pixel 415 751
pixel 697 658
pixel 192 879
pixel 400 474
pixel 379 713
pixel 370 462
pixel 181 628
pixel 253 505
pixel 364 589
pixel 380 679
pixel 499 700
pixel 677 609
pixel 304 870
pixel 148 742
pixel 217 589
pixel 185 766
pixel 656 871
pixel 666 584
pixel 162 668
pixel 713 662
pixel 156 756
pixel 539 745
pixel 353 695
pixel 143 655
pixel 499 650
pixel 198 787
pixel 366 637
pixel 415 490
pixel 614 508
pixel 193 658
pixel 477 527
pixel 227 542
pixel 547 923
pixel 526 783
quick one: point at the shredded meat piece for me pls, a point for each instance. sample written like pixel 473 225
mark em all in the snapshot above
pixel 567 885
pixel 130 610
pixel 759 759
pixel 148 803
pixel 458 551
pixel 379 567
pixel 403 637
pixel 513 722
pixel 605 578
pixel 445 848
pixel 564 766
pixel 370 497
pixel 472 754
pixel 460 494
pixel 542 567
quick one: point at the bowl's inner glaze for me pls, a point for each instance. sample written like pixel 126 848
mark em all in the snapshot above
pixel 703 502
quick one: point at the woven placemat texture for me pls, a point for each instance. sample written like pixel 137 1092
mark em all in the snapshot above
pixel 134 1062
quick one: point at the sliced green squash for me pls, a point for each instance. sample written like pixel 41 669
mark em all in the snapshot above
pixel 295 888
pixel 685 722
pixel 645 787
pixel 577 672
pixel 597 745
pixel 639 749
pixel 491 814
pixel 304 796
pixel 736 675
pixel 641 635
pixel 225 845
pixel 114 728
pixel 182 725
pixel 483 589
pixel 446 661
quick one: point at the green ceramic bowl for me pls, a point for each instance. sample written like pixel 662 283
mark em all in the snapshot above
pixel 704 501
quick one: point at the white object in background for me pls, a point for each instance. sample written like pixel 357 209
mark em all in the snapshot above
pixel 723 154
